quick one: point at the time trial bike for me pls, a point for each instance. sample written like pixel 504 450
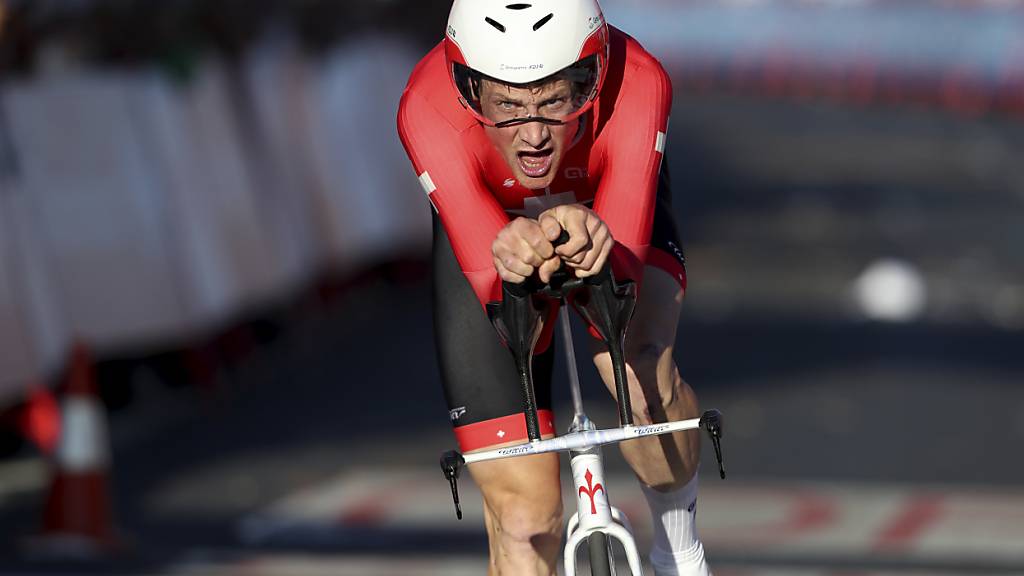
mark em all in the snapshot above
pixel 607 306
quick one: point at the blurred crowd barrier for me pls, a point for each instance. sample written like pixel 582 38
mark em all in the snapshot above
pixel 141 207
pixel 966 56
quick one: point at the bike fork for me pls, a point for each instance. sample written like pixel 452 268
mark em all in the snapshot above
pixel 595 513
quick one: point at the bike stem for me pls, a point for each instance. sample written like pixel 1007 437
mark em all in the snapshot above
pixel 570 359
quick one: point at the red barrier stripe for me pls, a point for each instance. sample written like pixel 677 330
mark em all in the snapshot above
pixel 917 516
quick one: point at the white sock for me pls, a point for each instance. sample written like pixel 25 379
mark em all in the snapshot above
pixel 676 550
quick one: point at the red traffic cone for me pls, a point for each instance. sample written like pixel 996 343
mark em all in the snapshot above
pixel 40 419
pixel 77 520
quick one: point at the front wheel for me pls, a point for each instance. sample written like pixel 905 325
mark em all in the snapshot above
pixel 600 555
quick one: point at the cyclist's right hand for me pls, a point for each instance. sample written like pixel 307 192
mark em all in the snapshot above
pixel 521 247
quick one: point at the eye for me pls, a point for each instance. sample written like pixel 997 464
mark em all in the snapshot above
pixel 507 105
pixel 555 102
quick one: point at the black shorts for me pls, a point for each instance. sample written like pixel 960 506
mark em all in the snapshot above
pixel 479 377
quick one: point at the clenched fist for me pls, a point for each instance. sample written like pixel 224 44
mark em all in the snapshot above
pixel 525 245
pixel 590 240
pixel 522 247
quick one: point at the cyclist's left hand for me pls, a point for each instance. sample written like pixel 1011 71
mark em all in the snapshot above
pixel 590 240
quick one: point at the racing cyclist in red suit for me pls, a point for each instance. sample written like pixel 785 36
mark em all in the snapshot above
pixel 527 119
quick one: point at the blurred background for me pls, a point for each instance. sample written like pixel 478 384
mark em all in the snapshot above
pixel 216 353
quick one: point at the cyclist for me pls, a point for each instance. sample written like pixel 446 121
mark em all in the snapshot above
pixel 529 118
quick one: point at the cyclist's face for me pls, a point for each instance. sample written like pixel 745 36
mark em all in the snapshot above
pixel 533 150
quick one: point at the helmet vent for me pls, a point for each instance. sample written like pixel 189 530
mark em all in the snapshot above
pixel 542 22
pixel 518 6
pixel 498 25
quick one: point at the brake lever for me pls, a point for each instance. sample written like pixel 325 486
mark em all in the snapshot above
pixel 711 421
pixel 451 464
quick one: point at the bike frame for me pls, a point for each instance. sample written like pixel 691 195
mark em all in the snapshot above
pixel 583 441
pixel 594 513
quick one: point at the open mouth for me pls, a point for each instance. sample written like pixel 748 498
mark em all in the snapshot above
pixel 535 164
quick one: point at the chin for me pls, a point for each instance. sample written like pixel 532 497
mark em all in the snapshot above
pixel 535 183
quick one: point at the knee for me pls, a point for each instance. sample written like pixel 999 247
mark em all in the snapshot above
pixel 532 521
pixel 657 379
pixel 646 357
pixel 654 380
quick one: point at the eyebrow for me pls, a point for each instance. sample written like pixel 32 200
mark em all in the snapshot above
pixel 503 97
pixel 500 97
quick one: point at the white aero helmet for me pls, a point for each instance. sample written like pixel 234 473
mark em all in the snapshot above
pixel 524 43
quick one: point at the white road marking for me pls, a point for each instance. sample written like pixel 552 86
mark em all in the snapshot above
pixel 849 520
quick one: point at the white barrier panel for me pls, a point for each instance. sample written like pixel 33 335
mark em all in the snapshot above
pixel 16 357
pixel 98 216
pixel 369 193
pixel 276 77
pixel 33 336
pixel 148 211
pixel 222 253
pixel 224 199
pixel 159 115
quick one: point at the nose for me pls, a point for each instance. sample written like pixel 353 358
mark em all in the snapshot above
pixel 536 134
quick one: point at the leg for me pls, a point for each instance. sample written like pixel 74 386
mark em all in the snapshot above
pixel 523 513
pixel 522 496
pixel 666 465
pixel 657 391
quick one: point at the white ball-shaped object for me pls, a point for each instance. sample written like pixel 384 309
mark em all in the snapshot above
pixel 890 290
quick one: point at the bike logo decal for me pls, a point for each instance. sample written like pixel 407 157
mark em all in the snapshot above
pixel 515 450
pixel 455 413
pixel 591 490
pixel 651 429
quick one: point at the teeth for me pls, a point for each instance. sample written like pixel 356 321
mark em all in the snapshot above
pixel 535 164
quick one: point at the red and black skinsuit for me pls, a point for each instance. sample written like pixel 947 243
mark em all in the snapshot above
pixel 614 166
